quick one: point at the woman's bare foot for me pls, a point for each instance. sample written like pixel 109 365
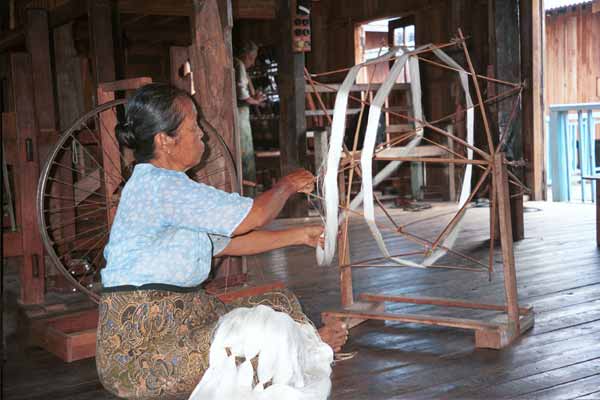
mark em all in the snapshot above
pixel 335 334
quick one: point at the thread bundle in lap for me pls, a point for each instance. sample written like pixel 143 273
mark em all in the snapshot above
pixel 293 362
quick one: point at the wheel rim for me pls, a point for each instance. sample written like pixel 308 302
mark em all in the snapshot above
pixel 73 206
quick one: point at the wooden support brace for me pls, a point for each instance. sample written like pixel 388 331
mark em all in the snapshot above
pixel 506 238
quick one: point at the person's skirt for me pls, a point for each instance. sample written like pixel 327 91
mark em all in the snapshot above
pixel 155 343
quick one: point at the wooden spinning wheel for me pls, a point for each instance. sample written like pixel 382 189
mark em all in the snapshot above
pixel 491 161
pixel 80 185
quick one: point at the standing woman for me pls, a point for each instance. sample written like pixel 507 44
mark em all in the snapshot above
pixel 246 97
pixel 155 321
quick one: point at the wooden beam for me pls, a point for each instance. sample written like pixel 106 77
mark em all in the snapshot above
pixel 438 301
pixel 124 84
pixel 451 322
pixel 173 35
pixel 241 9
pixel 157 7
pixel 254 9
pixel 292 123
pixel 32 272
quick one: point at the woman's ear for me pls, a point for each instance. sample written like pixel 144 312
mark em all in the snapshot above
pixel 163 142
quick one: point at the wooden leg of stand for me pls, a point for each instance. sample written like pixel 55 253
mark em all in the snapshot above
pixel 506 240
pixel 347 297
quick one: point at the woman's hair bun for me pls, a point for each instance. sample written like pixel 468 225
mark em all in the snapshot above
pixel 125 135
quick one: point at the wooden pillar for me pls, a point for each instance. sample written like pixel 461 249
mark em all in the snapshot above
pixel 38 46
pixel 212 66
pixel 213 78
pixel 506 239
pixel 532 70
pixel 508 68
pixel 100 17
pixel 101 41
pixel 292 122
pixel 32 272
pixel 69 85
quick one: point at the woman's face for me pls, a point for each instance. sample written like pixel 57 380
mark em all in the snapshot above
pixel 187 148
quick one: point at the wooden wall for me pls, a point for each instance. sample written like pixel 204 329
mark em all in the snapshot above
pixel 572 65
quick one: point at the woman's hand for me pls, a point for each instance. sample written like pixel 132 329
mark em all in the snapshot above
pixel 313 235
pixel 300 181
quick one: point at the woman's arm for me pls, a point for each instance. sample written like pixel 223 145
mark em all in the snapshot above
pixel 261 241
pixel 269 204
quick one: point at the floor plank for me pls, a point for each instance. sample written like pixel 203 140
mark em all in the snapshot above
pixel 558 273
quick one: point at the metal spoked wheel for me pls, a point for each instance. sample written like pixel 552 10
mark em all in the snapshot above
pixel 80 185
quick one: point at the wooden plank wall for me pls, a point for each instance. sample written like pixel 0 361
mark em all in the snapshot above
pixel 572 65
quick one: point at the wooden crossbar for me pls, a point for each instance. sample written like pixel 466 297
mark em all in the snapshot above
pixel 438 301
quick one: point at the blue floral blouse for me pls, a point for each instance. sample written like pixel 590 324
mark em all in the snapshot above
pixel 167 229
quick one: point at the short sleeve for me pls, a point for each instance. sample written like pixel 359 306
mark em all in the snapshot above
pixel 218 243
pixel 183 203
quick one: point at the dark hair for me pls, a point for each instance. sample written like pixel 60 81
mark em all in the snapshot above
pixel 153 108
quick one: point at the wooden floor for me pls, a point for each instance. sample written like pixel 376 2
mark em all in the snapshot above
pixel 558 268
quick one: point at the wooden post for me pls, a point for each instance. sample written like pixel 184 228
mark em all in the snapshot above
pixel 38 45
pixel 12 240
pixel 69 88
pixel 213 78
pixel 32 272
pixel 531 16
pixel 506 240
pixel 292 122
pixel 212 66
pixel 101 42
pixel 508 68
pixel 69 85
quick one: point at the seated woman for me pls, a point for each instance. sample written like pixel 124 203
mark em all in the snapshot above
pixel 155 321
